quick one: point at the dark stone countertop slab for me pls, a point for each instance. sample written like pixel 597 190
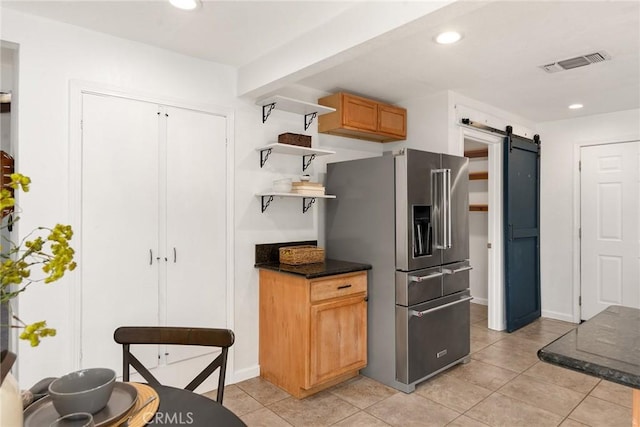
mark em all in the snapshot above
pixel 329 267
pixel 606 346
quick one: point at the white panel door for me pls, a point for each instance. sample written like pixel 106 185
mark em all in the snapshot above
pixel 610 221
pixel 196 223
pixel 119 225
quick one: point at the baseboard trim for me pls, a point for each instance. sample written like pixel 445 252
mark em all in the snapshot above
pixel 244 374
pixel 558 316
pixel 481 301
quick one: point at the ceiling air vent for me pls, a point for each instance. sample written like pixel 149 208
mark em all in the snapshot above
pixel 578 61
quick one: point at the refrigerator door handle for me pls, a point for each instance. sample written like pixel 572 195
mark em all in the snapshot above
pixel 447 205
pixel 427 277
pixel 440 307
pixel 438 196
pixel 457 270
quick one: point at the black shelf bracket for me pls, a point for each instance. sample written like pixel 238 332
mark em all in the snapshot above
pixel 308 119
pixel 265 205
pixel 305 205
pixel 266 111
pixel 305 162
pixel 264 155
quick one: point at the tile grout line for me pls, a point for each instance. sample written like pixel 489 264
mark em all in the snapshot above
pixel 518 374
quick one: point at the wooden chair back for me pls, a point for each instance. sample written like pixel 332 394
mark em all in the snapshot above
pixel 167 335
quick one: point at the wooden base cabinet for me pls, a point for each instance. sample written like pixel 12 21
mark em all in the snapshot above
pixel 362 118
pixel 313 332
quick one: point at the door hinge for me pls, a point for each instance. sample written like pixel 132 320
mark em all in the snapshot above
pixel 81 125
pixel 579 165
pixel 580 233
pixel 580 300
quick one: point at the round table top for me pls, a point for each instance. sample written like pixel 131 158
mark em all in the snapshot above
pixel 183 407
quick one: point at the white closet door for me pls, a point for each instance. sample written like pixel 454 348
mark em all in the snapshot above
pixel 196 223
pixel 119 225
pixel 610 221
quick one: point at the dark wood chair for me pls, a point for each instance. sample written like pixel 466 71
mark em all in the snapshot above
pixel 221 338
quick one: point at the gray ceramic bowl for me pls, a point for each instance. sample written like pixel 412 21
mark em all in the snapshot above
pixel 87 390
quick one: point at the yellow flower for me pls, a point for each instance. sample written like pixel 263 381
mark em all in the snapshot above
pixel 35 331
pixel 52 253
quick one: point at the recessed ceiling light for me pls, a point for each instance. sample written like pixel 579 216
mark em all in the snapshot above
pixel 575 106
pixel 448 37
pixel 185 4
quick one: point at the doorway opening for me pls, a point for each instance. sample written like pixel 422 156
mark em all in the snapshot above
pixel 478 154
pixel 8 144
pixel 485 222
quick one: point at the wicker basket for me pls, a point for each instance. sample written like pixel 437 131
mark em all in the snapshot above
pixel 295 139
pixel 299 255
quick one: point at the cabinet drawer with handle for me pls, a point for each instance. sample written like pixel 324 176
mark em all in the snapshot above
pixel 456 277
pixel 338 286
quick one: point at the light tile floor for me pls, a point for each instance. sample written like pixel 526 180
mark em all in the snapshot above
pixel 504 385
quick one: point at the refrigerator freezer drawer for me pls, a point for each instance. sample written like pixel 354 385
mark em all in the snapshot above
pixel 455 277
pixel 418 286
pixel 431 336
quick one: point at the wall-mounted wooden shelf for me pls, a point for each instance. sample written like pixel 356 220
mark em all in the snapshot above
pixel 473 154
pixel 309 110
pixel 307 199
pixel 478 208
pixel 308 154
pixel 474 176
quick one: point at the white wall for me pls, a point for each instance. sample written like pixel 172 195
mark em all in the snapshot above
pixel 8 59
pixel 558 194
pixel 428 123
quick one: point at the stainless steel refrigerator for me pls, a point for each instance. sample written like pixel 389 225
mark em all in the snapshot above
pixel 406 214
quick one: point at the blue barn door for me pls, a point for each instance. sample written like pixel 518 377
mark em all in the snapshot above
pixel 522 229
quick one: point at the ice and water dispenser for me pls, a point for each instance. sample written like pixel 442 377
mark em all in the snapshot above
pixel 422 230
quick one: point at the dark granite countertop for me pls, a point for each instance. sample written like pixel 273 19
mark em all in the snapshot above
pixel 321 269
pixel 606 346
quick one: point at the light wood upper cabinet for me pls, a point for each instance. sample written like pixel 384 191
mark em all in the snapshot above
pixel 359 113
pixel 362 118
pixel 392 120
pixel 313 332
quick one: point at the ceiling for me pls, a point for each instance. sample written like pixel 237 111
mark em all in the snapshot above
pixel 497 61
